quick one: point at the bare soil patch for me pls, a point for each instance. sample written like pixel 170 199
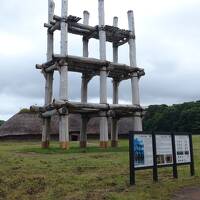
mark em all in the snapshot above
pixel 190 193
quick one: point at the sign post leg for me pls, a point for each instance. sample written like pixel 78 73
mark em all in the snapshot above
pixel 192 170
pixel 155 167
pixel 131 158
pixel 175 172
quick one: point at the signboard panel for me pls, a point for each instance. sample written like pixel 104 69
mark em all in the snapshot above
pixel 143 151
pixel 164 149
pixel 154 150
pixel 182 149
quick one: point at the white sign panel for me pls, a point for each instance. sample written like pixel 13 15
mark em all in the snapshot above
pixel 143 150
pixel 164 149
pixel 182 149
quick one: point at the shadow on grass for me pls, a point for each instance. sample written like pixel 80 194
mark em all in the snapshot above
pixel 57 150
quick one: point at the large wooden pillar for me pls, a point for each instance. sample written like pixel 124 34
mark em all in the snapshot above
pixel 64 119
pixel 137 125
pixel 84 118
pixel 46 129
pixel 114 123
pixel 103 76
pixel 84 87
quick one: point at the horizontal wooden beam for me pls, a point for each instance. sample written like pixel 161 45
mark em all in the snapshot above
pixel 91 66
pixel 113 34
pixel 47 111
pixel 61 103
pixel 84 108
pixel 90 112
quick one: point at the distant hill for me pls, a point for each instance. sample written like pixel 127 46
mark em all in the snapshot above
pixel 178 117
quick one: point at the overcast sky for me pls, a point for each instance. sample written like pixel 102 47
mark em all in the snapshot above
pixel 168 47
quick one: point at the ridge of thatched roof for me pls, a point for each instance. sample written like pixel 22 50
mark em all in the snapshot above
pixel 29 123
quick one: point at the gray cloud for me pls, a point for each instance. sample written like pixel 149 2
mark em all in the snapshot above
pixel 167 47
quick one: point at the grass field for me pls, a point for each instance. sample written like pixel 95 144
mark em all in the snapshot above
pixel 29 173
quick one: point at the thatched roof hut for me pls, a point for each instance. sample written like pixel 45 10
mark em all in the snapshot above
pixel 29 123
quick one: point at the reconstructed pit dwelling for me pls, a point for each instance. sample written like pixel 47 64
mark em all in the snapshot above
pixel 89 67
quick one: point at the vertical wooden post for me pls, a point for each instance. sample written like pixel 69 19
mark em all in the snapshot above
pixel 135 78
pixel 103 76
pixel 46 129
pixel 86 17
pixel 114 123
pixel 84 87
pixel 115 48
pixel 64 119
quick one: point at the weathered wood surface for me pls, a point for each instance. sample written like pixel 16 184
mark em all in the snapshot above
pixel 103 75
pixel 132 45
pixel 137 119
pixel 83 131
pixel 85 77
pixel 86 16
pixel 64 131
pixel 46 128
pixel 87 108
pixel 113 34
pixel 64 52
pixel 93 63
pixel 57 104
pixel 114 121
pixel 64 119
pixel 115 61
pixel 84 86
pixel 115 92
pixel 60 103
pixel 133 62
pixel 114 131
pixel 50 38
pixel 115 47
pixel 91 67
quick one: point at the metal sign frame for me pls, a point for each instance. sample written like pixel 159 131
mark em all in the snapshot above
pixel 155 166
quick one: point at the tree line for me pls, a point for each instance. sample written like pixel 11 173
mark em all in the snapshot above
pixel 178 117
pixel 1 122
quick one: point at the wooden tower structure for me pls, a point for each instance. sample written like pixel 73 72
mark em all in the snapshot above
pixel 88 67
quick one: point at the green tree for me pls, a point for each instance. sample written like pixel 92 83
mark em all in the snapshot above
pixel 178 117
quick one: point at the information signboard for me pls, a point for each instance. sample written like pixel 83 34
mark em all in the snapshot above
pixel 154 150
pixel 182 149
pixel 164 153
pixel 143 150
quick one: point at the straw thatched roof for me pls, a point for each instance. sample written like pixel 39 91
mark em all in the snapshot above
pixel 27 123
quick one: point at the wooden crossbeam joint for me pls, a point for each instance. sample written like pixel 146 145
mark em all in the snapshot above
pixel 70 18
pixel 91 34
pixel 87 77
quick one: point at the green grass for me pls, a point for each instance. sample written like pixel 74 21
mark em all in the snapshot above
pixel 28 172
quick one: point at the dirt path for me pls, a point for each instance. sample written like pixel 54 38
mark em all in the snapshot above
pixel 191 193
